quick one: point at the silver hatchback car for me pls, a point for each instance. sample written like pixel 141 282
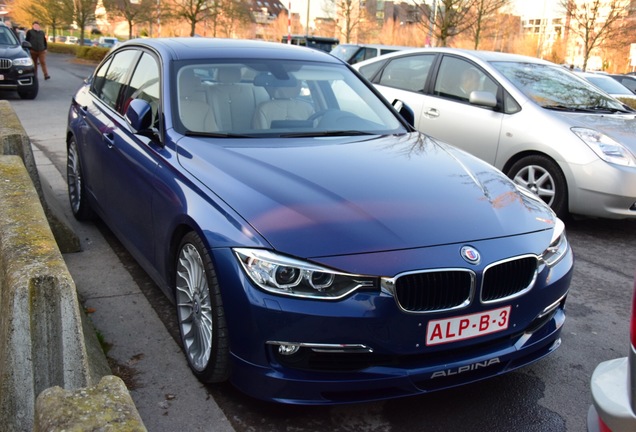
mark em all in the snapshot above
pixel 546 128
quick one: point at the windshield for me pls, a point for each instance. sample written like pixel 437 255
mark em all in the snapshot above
pixel 609 85
pixel 278 98
pixel 551 86
pixel 344 52
pixel 6 36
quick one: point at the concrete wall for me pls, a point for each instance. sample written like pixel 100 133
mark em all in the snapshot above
pixel 14 141
pixel 45 341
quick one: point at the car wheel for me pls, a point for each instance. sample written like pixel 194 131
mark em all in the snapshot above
pixel 76 189
pixel 30 93
pixel 200 312
pixel 543 177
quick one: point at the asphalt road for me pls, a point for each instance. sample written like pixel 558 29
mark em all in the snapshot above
pixel 550 395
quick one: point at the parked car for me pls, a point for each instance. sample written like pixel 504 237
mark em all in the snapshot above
pixel 60 39
pixel 107 42
pixel 354 53
pixel 17 72
pixel 628 81
pixel 614 389
pixel 318 249
pixel 71 40
pixel 610 86
pixel 542 125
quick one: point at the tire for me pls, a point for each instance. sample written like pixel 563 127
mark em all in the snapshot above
pixel 76 188
pixel 543 177
pixel 31 93
pixel 200 313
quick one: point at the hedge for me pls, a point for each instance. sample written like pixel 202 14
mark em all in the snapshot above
pixel 83 52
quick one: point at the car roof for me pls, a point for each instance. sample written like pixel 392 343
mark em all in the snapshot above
pixel 486 56
pixel 193 48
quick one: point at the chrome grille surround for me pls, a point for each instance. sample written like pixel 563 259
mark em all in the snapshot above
pixel 5 63
pixel 432 290
pixel 510 278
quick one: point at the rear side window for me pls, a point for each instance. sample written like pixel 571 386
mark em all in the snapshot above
pixel 407 73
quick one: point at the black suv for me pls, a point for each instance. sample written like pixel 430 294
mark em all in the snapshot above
pixel 16 67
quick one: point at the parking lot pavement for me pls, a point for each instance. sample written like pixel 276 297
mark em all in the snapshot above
pixel 169 398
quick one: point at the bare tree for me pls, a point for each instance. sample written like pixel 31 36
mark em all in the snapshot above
pixel 484 13
pixel 192 11
pixel 235 14
pixel 447 18
pixel 595 22
pixel 133 11
pixel 349 16
pixel 53 13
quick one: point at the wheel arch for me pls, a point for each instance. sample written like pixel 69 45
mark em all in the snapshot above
pixel 565 173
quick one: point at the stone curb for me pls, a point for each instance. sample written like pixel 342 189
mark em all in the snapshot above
pixel 45 340
pixel 15 141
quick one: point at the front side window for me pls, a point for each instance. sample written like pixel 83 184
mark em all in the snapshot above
pixel 407 73
pixel 144 84
pixel 112 75
pixel 458 78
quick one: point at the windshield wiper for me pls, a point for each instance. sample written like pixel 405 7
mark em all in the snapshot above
pixel 605 108
pixel 325 133
pixel 590 109
pixel 214 135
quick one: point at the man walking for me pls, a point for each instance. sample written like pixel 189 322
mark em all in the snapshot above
pixel 36 37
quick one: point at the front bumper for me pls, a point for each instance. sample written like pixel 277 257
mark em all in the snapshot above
pixel 412 375
pixel 384 354
pixel 604 190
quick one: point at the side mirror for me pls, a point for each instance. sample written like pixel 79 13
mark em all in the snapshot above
pixel 483 98
pixel 405 111
pixel 26 45
pixel 139 117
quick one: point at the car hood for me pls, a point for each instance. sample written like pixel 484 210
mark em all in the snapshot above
pixel 12 51
pixel 325 197
pixel 621 127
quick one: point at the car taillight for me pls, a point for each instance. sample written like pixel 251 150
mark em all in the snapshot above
pixel 632 327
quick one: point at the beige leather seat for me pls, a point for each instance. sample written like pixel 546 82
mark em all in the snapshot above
pixel 283 106
pixel 233 102
pixel 196 115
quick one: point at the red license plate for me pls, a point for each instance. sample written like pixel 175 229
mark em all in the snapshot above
pixel 467 326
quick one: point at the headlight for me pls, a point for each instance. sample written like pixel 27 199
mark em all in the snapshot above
pixel 283 275
pixel 25 61
pixel 605 147
pixel 558 245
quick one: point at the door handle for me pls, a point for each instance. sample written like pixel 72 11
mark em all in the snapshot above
pixel 431 113
pixel 109 138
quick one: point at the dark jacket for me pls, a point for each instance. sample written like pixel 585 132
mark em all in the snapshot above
pixel 37 39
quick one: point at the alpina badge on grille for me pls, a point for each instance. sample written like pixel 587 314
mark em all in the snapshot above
pixel 470 254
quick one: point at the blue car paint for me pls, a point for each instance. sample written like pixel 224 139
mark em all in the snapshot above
pixel 372 205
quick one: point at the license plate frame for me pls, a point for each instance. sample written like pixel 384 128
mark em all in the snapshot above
pixel 459 328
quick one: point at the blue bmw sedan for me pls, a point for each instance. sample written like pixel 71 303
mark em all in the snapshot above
pixel 317 248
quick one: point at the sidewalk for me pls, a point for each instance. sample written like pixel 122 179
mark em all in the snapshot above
pixel 168 397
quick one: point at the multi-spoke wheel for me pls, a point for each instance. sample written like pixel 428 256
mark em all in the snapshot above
pixel 200 312
pixel 544 178
pixel 76 189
